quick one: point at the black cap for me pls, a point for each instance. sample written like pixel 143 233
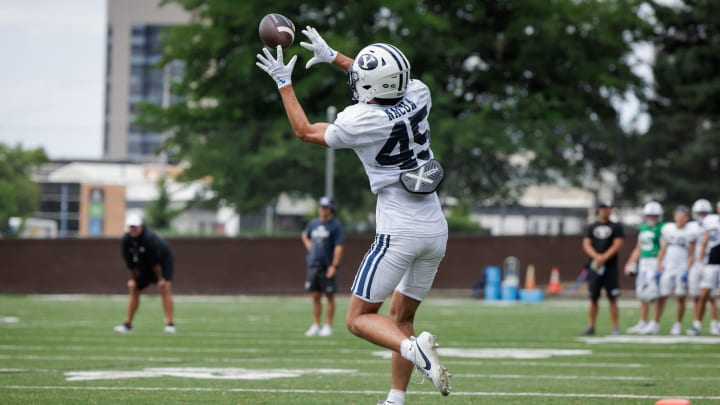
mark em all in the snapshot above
pixel 605 204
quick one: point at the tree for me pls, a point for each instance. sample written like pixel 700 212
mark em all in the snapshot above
pixel 678 159
pixel 19 195
pixel 510 78
pixel 159 212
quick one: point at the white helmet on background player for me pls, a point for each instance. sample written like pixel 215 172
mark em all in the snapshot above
pixel 653 208
pixel 649 292
pixel 379 71
pixel 701 206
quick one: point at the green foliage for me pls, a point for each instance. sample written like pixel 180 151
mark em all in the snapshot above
pixel 19 195
pixel 678 159
pixel 521 77
pixel 159 213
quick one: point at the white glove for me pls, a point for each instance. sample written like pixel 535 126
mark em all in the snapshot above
pixel 276 67
pixel 323 53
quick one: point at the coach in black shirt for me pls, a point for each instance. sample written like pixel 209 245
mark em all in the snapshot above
pixel 602 243
pixel 150 261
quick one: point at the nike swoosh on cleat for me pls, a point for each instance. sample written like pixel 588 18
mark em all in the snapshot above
pixel 427 361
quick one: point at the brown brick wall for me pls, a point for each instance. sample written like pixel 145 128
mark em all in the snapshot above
pixel 263 265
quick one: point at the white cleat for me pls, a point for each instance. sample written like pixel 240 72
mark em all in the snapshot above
pixel 637 329
pixel 122 329
pixel 651 328
pixel 715 331
pixel 326 330
pixel 169 329
pixel 676 329
pixel 428 362
pixel 313 330
pixel 693 332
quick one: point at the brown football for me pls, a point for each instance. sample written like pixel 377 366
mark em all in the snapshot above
pixel 276 29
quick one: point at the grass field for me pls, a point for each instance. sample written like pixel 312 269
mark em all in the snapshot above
pixel 251 350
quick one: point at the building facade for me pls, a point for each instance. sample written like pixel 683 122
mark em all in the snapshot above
pixel 133 48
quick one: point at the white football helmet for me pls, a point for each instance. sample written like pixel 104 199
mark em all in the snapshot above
pixel 379 71
pixel 701 206
pixel 653 208
pixel 649 292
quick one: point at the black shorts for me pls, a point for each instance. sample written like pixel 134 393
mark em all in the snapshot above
pixel 317 281
pixel 609 280
pixel 145 278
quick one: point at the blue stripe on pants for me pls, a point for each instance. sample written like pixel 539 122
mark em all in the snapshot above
pixel 368 267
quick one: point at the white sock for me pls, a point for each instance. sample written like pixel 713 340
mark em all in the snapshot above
pixel 407 349
pixel 641 323
pixel 697 325
pixel 397 397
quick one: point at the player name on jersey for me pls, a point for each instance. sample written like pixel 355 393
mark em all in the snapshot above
pixel 397 111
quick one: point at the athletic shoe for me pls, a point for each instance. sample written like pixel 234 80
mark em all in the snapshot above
pixel 313 330
pixel 428 362
pixel 676 329
pixel 634 330
pixel 386 402
pixel 124 328
pixel 652 328
pixel 169 329
pixel 589 331
pixel 693 331
pixel 615 331
pixel 715 331
pixel 326 330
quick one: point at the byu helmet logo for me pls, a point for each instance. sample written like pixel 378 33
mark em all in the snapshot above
pixel 367 62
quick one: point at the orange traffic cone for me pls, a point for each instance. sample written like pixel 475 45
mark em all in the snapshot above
pixel 554 285
pixel 530 278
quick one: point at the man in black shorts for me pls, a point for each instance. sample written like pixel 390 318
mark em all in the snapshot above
pixel 602 243
pixel 150 261
pixel 323 240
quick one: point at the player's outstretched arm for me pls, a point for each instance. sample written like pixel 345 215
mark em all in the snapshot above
pixel 303 128
pixel 322 53
pixel 276 68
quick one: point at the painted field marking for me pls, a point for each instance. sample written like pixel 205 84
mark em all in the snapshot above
pixel 355 392
pixel 201 373
pixel 495 353
pixel 652 339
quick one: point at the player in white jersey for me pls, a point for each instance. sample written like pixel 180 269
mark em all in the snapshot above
pixel 389 132
pixel 677 244
pixel 699 210
pixel 709 279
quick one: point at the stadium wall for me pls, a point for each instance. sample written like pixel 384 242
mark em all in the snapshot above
pixel 265 265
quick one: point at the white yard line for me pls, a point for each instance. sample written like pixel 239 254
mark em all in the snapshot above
pixel 354 392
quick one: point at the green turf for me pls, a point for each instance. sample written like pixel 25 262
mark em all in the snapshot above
pixel 56 337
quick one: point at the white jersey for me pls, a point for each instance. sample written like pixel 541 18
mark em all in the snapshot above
pixel 391 140
pixel 711 223
pixel 677 252
pixel 697 228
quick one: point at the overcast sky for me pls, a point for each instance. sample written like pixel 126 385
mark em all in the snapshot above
pixel 51 75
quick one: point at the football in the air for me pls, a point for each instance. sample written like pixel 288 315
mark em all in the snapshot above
pixel 276 29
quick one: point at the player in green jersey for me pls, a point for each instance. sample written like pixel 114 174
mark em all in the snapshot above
pixel 642 263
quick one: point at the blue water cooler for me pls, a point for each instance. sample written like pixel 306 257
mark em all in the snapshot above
pixel 492 283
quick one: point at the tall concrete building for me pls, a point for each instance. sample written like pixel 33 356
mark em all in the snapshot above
pixel 133 48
